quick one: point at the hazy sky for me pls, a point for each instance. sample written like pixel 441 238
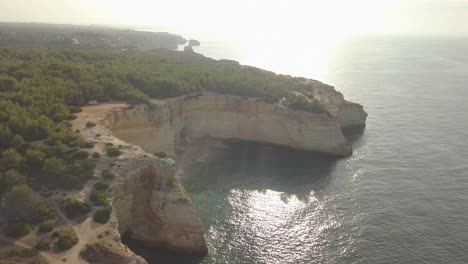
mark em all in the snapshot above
pixel 321 17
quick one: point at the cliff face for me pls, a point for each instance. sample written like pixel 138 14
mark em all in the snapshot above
pixel 348 114
pixel 153 209
pixel 150 206
pixel 176 121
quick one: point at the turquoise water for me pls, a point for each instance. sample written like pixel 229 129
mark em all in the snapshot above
pixel 402 197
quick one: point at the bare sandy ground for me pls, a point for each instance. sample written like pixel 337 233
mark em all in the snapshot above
pixel 95 113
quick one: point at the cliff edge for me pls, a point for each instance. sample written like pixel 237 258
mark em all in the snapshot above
pixel 174 122
pixel 150 204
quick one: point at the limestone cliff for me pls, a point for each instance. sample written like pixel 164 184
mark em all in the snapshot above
pixel 349 114
pixel 153 209
pixel 150 206
pixel 179 120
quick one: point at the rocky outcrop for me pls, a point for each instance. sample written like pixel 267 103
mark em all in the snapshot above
pixel 154 210
pixel 194 42
pixel 188 49
pixel 150 206
pixel 176 121
pixel 349 114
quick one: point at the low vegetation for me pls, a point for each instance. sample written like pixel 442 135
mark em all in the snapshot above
pixel 113 152
pixel 108 175
pixel 43 245
pixel 66 242
pixel 102 215
pixel 90 124
pixel 98 197
pixel 23 205
pixel 300 102
pixel 75 208
pixel 23 253
pixel 55 234
pixel 17 229
pixel 161 154
pixel 101 186
pixel 46 227
pixel 25 209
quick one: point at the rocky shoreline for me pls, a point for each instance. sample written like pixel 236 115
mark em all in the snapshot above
pixel 151 207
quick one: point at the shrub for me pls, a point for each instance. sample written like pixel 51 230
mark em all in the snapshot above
pixel 28 253
pixel 80 154
pixel 102 215
pixel 90 124
pixel 87 145
pixel 20 202
pixel 11 178
pixel 101 186
pixel 24 253
pixel 113 152
pixel 23 205
pixel 96 155
pixel 108 175
pixel 72 117
pixel 109 144
pixel 55 234
pixel 42 245
pixel 98 197
pixel 66 242
pixel 76 208
pixel 75 109
pixel 44 211
pixel 46 227
pixel 300 102
pixel 161 154
pixel 11 159
pixel 17 229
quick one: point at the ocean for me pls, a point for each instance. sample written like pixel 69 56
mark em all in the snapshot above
pixel 402 197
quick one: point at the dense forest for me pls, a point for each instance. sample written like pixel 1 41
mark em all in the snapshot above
pixel 93 37
pixel 41 89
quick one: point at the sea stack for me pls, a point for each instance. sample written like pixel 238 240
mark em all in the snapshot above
pixel 194 42
pixel 188 49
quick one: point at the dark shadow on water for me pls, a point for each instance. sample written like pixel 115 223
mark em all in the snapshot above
pixel 354 134
pixel 250 166
pixel 161 257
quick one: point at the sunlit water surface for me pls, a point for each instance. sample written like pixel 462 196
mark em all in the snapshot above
pixel 402 197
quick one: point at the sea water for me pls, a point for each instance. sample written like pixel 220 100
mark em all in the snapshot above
pixel 402 197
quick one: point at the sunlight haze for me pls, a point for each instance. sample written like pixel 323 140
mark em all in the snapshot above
pixel 233 132
pixel 231 19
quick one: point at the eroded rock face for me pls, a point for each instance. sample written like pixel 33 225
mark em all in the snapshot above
pixel 154 210
pixel 188 49
pixel 194 42
pixel 107 253
pixel 176 121
pixel 150 205
pixel 349 115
